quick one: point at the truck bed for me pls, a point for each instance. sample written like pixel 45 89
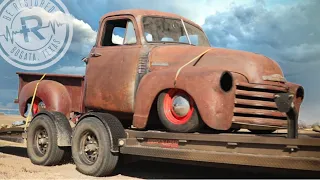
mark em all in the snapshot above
pixel 73 83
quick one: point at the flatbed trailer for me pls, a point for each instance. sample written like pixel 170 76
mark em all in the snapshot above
pixel 273 151
pixel 241 148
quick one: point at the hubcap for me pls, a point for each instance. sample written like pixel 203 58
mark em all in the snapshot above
pixel 42 140
pixel 90 147
pixel 180 106
pixel 41 106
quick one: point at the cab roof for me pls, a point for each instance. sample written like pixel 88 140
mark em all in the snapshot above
pixel 144 12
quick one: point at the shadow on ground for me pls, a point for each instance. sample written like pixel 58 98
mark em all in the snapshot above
pixel 150 169
pixel 16 151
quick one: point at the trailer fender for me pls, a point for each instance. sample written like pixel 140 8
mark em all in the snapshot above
pixel 62 125
pixel 215 103
pixel 112 124
pixel 55 96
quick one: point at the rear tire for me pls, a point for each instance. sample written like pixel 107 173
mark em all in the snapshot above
pixel 190 122
pixel 42 145
pixel 91 148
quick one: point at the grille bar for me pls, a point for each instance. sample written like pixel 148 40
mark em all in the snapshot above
pixel 255 94
pixel 260 112
pixel 254 104
pixel 260 121
pixel 262 87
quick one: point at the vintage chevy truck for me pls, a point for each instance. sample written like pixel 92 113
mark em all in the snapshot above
pixel 164 74
pixel 165 63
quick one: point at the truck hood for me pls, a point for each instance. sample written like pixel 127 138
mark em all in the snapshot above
pixel 255 67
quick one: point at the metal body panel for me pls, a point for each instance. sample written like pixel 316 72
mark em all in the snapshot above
pixel 215 106
pixel 111 77
pixel 62 93
pixel 251 65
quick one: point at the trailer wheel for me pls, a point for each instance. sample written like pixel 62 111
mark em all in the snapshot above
pixel 178 112
pixel 42 145
pixel 91 148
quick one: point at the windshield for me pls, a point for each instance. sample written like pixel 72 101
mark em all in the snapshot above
pixel 162 29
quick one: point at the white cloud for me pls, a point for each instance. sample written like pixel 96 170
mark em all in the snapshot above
pixel 117 39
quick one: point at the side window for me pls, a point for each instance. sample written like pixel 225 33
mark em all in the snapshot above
pixel 119 32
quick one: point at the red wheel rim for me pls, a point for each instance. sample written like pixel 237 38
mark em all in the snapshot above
pixel 168 107
pixel 35 107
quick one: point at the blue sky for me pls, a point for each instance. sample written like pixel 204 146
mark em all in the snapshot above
pixel 284 30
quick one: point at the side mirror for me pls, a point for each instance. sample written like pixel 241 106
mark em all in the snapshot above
pixel 85 60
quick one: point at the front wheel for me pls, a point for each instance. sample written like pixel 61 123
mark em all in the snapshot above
pixel 91 148
pixel 178 112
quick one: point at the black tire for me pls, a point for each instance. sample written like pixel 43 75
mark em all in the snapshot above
pixel 106 161
pixel 269 131
pixel 50 155
pixel 193 124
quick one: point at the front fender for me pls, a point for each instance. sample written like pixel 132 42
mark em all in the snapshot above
pixel 203 84
pixel 53 94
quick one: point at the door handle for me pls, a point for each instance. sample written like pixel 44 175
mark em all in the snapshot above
pixel 95 54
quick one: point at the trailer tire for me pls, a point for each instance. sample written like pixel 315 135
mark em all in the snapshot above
pixel 42 142
pixel 84 149
pixel 190 122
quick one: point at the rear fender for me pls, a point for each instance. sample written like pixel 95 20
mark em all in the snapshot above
pixel 203 84
pixel 55 96
pixel 113 126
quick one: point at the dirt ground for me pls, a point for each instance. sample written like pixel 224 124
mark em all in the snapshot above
pixel 15 164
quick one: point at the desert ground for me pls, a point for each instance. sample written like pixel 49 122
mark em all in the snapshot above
pixel 15 164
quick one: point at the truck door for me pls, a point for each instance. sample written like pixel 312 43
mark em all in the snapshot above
pixel 112 66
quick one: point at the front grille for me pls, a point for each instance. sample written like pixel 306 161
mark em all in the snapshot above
pixel 254 104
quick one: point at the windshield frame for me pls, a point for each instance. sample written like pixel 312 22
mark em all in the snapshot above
pixel 183 22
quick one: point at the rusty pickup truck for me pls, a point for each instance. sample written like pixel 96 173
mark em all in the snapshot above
pixel 162 74
pixel 166 62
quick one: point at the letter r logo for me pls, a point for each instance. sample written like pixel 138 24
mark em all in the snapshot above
pixel 25 30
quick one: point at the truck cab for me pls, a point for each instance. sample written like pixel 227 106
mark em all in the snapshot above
pixel 154 64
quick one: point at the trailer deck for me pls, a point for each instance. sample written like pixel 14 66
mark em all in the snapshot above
pixel 242 148
pixel 275 151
